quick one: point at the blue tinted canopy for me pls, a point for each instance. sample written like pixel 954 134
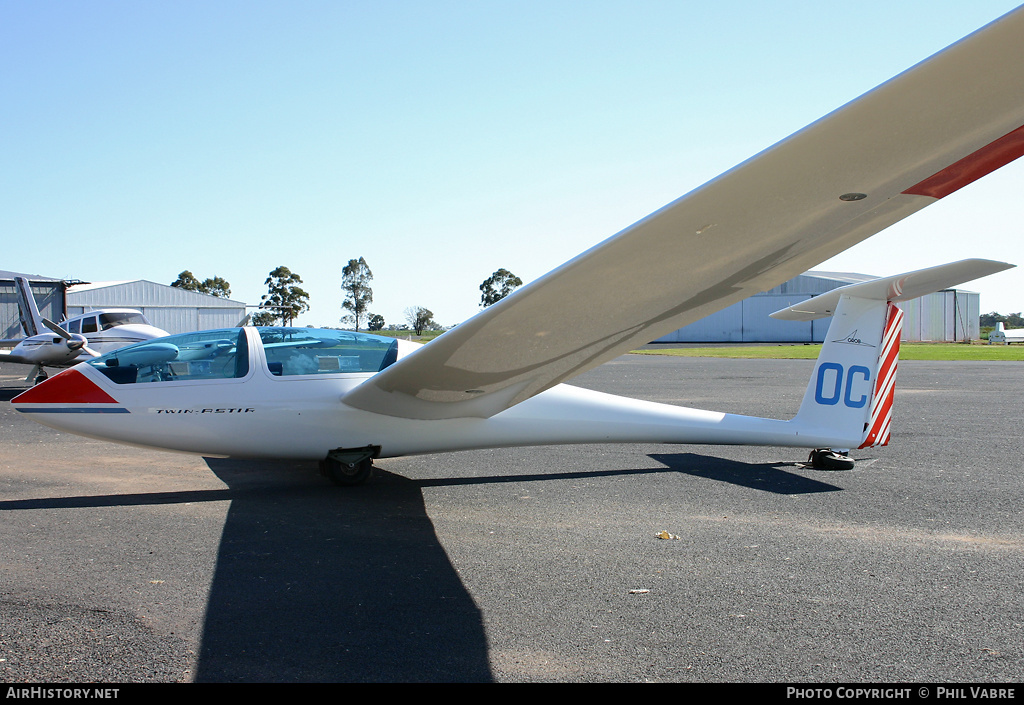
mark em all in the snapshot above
pixel 224 354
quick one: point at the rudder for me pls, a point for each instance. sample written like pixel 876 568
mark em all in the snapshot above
pixel 880 420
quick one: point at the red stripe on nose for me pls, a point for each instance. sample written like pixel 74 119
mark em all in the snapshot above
pixel 68 387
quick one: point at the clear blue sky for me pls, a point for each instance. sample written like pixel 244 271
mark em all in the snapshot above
pixel 439 140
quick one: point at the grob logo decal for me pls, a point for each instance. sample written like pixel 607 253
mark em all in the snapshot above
pixel 852 339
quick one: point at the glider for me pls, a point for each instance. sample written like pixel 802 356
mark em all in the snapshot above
pixel 1004 336
pixel 498 379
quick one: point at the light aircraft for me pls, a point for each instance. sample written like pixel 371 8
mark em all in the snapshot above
pixel 78 338
pixel 498 379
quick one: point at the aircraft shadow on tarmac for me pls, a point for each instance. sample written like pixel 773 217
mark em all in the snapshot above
pixel 354 585
pixel 350 585
pixel 315 583
pixel 767 477
pixel 8 393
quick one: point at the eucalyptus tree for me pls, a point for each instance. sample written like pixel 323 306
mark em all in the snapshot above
pixel 355 282
pixel 285 300
pixel 497 286
pixel 215 286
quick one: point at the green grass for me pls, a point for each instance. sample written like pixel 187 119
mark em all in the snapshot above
pixel 427 336
pixel 908 351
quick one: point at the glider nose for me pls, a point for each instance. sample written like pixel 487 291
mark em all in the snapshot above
pixel 70 387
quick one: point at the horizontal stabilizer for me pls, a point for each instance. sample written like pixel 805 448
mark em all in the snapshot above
pixel 901 287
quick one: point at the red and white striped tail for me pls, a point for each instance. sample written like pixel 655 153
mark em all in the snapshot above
pixel 880 422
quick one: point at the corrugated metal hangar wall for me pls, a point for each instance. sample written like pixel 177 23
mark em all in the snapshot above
pixel 170 308
pixel 945 316
pixel 49 295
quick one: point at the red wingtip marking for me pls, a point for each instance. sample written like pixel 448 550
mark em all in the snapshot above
pixel 972 167
pixel 68 387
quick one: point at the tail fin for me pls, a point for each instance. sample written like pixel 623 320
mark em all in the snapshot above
pixel 31 320
pixel 849 398
pixel 846 388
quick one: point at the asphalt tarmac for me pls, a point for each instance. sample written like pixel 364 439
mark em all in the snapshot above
pixel 124 565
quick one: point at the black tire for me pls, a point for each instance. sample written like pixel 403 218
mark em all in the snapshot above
pixel 830 460
pixel 346 475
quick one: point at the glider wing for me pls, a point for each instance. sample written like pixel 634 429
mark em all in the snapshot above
pixel 913 140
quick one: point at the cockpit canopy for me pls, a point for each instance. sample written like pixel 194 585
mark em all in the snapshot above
pixel 224 354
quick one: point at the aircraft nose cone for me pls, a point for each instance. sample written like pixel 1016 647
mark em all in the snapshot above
pixel 68 387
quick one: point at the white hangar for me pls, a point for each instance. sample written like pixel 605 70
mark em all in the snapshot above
pixel 945 316
pixel 170 308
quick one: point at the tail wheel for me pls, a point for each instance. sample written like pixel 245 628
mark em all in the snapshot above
pixel 828 459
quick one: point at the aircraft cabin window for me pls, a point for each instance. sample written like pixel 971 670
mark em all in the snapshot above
pixel 315 351
pixel 209 354
pixel 89 325
pixel 111 320
pixel 75 327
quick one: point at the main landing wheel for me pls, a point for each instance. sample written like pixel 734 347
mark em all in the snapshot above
pixel 347 474
pixel 828 459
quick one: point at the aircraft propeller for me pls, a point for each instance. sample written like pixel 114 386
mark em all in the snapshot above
pixel 74 340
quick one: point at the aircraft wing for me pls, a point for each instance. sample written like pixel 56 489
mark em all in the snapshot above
pixel 913 140
pixel 8 356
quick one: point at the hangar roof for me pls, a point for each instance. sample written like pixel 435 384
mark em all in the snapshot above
pixel 6 275
pixel 141 292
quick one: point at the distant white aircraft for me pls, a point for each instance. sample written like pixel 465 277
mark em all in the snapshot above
pixel 1003 336
pixel 78 338
pixel 497 379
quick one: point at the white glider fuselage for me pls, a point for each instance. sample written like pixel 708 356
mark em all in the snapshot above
pixel 263 415
pixel 287 392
